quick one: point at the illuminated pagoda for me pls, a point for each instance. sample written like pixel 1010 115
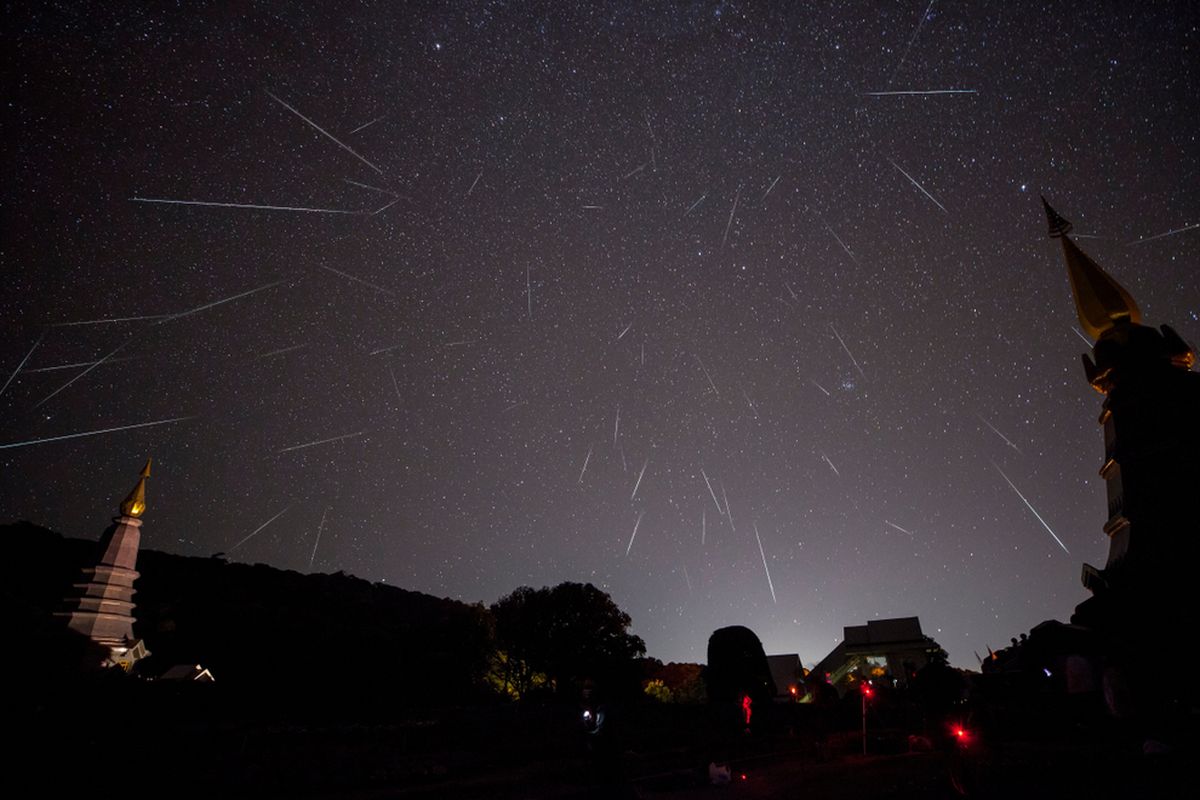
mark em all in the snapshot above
pixel 1151 422
pixel 101 604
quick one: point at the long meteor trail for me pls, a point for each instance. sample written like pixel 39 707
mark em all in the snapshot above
pixel 767 570
pixel 634 536
pixel 729 223
pixel 107 321
pixel 259 206
pixel 586 459
pixel 23 360
pixel 91 433
pixel 254 533
pixel 312 557
pixel 710 491
pixel 728 510
pixel 769 188
pixel 1031 508
pixel 325 133
pixel 919 92
pixel 998 433
pixel 645 464
pixel 710 380
pixel 911 39
pixel 833 233
pixel 847 349
pixel 913 181
pixel 1171 232
pixel 320 441
pixel 95 364
pixel 216 303
pixel 367 124
pixel 76 365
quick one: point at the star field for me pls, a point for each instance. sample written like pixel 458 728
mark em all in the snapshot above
pixel 842 307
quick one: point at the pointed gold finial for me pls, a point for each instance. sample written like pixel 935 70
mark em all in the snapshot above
pixel 1100 301
pixel 135 504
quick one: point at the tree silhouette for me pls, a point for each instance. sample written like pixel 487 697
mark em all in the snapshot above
pixel 570 633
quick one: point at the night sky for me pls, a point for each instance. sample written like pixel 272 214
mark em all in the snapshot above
pixel 842 307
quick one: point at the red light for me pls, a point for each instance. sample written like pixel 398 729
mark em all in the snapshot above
pixel 867 690
pixel 743 776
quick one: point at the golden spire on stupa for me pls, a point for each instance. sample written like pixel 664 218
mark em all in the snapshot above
pixel 1100 301
pixel 135 504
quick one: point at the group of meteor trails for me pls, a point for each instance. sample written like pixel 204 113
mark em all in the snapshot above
pixel 85 368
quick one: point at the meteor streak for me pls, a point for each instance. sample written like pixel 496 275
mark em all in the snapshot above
pixel 320 528
pixel 639 479
pixel 216 303
pixel 897 527
pixel 912 39
pixel 634 536
pixel 769 188
pixel 998 433
pixel 729 222
pixel 770 585
pixel 586 459
pixel 108 321
pixel 1031 508
pixel 41 336
pixel 926 91
pixel 919 186
pixel 255 532
pixel 76 365
pixel 396 386
pixel 91 433
pixel 831 466
pixel 1171 232
pixel 85 372
pixel 692 207
pixel 258 206
pixel 368 124
pixel 833 233
pixel 372 188
pixel 710 380
pixel 633 172
pixel 320 441
pixel 847 349
pixel 728 510
pixel 710 491
pixel 622 334
pixel 282 350
pixel 325 133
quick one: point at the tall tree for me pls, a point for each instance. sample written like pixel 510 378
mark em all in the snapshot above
pixel 571 633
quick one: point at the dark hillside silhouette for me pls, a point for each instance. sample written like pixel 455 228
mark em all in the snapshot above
pixel 275 632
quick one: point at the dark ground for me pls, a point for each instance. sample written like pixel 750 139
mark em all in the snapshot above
pixel 185 742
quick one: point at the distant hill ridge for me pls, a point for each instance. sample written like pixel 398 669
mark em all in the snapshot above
pixel 274 630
